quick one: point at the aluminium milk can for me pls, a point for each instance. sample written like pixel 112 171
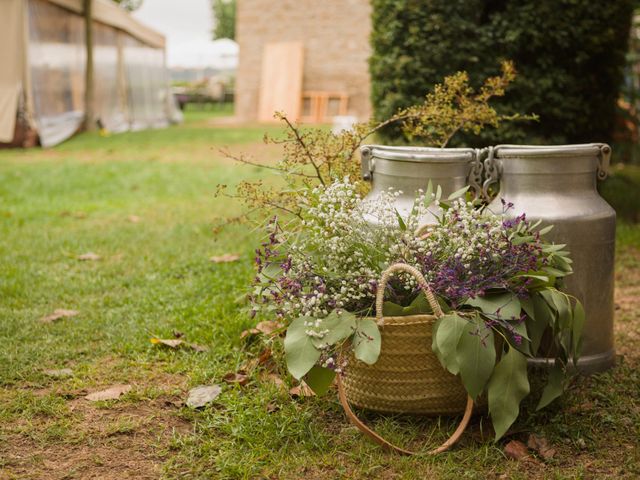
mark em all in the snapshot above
pixel 557 184
pixel 409 169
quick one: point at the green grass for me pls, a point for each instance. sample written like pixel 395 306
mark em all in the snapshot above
pixel 154 277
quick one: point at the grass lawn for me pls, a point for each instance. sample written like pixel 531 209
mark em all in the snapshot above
pixel 144 202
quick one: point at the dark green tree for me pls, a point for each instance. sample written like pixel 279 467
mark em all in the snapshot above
pixel 224 15
pixel 570 55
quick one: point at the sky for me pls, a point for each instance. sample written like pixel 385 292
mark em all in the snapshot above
pixel 187 25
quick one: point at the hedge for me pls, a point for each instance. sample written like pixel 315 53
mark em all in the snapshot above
pixel 570 55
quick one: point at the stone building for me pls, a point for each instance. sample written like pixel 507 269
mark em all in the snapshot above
pixel 324 43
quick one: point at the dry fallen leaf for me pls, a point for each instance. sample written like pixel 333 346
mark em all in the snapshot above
pixel 227 257
pixel 268 326
pixel 89 257
pixel 200 396
pixel 133 218
pixel 58 314
pixel 302 390
pixel 272 378
pixel 541 445
pixel 112 393
pixel 240 377
pixel 517 450
pixel 172 343
pixel 251 331
pixel 272 407
pixel 61 373
pixel 177 342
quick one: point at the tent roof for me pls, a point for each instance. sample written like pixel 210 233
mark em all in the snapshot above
pixel 107 12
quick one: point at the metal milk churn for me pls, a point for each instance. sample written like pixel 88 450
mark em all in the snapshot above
pixel 557 184
pixel 409 169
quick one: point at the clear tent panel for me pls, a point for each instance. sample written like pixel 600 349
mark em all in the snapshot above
pixel 57 59
pixel 109 89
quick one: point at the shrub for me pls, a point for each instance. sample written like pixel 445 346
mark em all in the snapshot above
pixel 570 56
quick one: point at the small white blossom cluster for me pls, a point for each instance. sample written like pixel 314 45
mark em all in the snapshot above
pixel 340 253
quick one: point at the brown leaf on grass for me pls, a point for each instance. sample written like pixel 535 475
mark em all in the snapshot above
pixel 133 218
pixel 516 450
pixel 268 326
pixel 60 373
pixel 262 359
pixel 171 343
pixel 226 258
pixel 202 395
pixel 177 342
pixel 272 407
pixel 59 313
pixel 240 377
pixel 247 333
pixel 112 393
pixel 272 378
pixel 89 257
pixel 541 446
pixel 301 390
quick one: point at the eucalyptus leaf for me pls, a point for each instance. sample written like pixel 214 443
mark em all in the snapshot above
pixel 428 200
pixel 542 318
pixel 476 355
pixel 300 353
pixel 579 318
pixel 458 193
pixel 554 387
pixel 446 334
pixel 553 248
pixel 545 230
pixel 319 379
pixel 401 224
pixel 367 341
pixel 506 389
pixel 390 309
pixel 340 325
pixel 438 193
pixel 503 305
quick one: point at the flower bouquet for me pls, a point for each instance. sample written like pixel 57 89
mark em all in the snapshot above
pixel 489 281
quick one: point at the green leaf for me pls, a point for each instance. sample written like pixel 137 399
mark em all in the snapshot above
pixel 542 319
pixel 319 379
pixel 554 387
pixel 542 278
pixel 438 193
pixel 521 239
pixel 545 230
pixel 458 193
pixel 504 305
pixel 367 341
pixel 401 224
pixel 445 337
pixel 553 248
pixel 521 329
pixel 390 309
pixel 427 196
pixel 476 355
pixel 578 325
pixel 300 353
pixel 507 387
pixel 340 326
pixel 554 272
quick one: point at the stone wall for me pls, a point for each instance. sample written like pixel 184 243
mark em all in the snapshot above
pixel 335 34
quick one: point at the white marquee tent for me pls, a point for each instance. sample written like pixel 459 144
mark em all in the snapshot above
pixel 42 70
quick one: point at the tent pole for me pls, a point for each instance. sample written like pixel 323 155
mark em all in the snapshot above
pixel 89 106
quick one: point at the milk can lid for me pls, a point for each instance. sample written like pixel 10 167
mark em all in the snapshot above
pixel 584 149
pixel 418 154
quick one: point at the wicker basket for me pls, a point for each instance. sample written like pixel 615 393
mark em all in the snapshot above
pixel 408 377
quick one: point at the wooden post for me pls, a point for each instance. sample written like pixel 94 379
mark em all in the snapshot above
pixel 89 118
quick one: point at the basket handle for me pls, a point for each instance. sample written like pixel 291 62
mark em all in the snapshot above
pixel 437 311
pixel 403 267
pixel 387 445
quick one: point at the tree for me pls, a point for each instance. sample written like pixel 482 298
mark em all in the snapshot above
pixel 129 5
pixel 569 54
pixel 224 15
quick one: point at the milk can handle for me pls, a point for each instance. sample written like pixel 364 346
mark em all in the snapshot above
pixel 604 159
pixel 492 172
pixel 475 174
pixel 366 163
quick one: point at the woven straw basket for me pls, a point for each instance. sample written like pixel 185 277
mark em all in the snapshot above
pixel 408 377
